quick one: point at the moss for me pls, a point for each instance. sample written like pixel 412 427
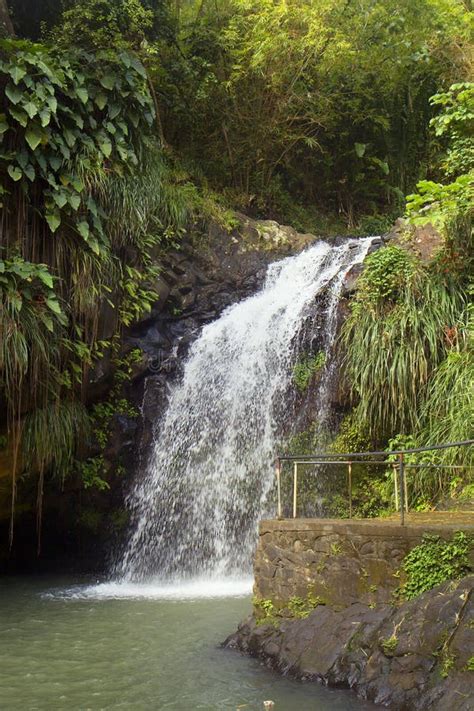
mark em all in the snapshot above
pixel 389 645
pixel 91 520
pixel 306 368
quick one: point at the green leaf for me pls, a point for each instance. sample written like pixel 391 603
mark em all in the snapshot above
pixel 30 172
pixel 105 146
pixel 14 172
pixel 19 116
pixel 17 73
pixel 45 116
pixel 138 66
pixel 22 158
pixel 83 229
pixel 16 300
pixel 48 322
pixel 14 94
pixel 41 160
pixel 74 201
pixel 108 81
pixel 33 136
pixel 360 149
pixel 53 305
pixel 54 220
pixel 52 103
pixel 82 94
pixel 60 198
pixel 114 110
pixel 126 59
pixel 383 165
pixel 94 245
pixel 46 278
pixel 101 100
pixel 70 137
pixel 55 162
pixel 65 151
pixel 30 108
pixel 3 124
pixel 92 206
pixel 77 184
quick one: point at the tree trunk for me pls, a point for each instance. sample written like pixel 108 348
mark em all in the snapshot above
pixel 6 25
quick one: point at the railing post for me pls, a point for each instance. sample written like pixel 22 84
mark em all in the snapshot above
pixel 295 487
pixel 349 484
pixel 401 471
pixel 278 478
pixel 395 487
pixel 405 488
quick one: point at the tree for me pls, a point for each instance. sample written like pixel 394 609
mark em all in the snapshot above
pixel 6 25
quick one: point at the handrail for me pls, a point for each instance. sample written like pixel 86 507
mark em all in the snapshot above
pixel 326 455
pixel 399 466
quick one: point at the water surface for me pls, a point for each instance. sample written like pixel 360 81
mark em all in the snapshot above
pixel 69 646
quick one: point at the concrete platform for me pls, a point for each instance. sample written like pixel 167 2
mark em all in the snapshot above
pixel 443 523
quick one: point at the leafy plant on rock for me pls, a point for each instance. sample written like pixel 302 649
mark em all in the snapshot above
pixel 435 561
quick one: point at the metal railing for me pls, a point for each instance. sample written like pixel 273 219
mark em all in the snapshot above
pixel 349 458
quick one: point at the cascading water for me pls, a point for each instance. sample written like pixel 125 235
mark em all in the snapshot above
pixel 196 510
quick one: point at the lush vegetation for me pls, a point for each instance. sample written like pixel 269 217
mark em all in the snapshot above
pixel 409 335
pixel 121 119
pixel 434 561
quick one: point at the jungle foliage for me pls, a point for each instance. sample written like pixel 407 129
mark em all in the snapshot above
pixel 286 106
pixel 86 196
pixel 409 336
pixel 120 119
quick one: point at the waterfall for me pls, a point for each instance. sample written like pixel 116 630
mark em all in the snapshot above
pixel 195 510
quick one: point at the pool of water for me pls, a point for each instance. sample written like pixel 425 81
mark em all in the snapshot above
pixel 69 645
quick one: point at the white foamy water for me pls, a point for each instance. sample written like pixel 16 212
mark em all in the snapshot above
pixel 197 589
pixel 196 509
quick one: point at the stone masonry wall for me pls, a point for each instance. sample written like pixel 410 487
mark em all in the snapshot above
pixel 340 562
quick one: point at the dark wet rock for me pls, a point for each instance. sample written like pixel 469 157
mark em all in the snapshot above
pixel 422 240
pixel 210 272
pixel 413 657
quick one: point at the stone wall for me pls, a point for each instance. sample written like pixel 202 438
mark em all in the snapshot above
pixel 340 562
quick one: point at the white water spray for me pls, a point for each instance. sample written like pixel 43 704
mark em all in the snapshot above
pixel 195 511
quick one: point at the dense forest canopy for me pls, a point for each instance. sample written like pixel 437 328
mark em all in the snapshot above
pixel 124 120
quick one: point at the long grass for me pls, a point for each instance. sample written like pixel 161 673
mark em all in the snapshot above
pixel 150 201
pixel 393 352
pixel 52 435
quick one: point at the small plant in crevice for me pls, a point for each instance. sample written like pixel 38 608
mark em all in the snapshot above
pixel 300 608
pixel 434 561
pixel 265 612
pixel 306 368
pixel 446 664
pixel 389 645
pixel 93 470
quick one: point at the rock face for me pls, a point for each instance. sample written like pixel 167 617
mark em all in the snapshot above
pixel 416 657
pixel 212 270
pixel 423 241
